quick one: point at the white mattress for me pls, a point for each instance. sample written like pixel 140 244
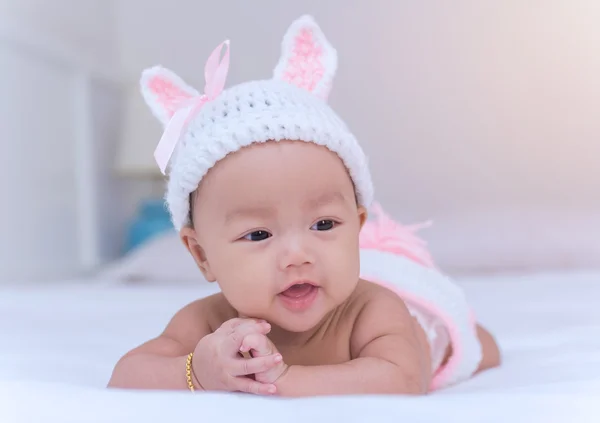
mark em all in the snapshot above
pixel 58 345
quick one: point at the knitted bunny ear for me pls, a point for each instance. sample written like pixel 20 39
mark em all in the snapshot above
pixel 308 60
pixel 164 92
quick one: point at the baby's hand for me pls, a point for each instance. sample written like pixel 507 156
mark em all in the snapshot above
pixel 258 345
pixel 217 365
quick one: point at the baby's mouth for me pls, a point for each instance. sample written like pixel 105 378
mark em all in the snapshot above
pixel 300 296
pixel 298 290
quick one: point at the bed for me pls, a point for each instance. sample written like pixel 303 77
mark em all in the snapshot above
pixel 60 340
pixel 59 344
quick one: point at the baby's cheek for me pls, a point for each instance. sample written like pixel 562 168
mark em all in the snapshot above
pixel 246 283
pixel 344 258
pixel 343 269
pixel 251 302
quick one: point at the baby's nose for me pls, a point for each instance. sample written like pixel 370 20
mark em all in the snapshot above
pixel 295 252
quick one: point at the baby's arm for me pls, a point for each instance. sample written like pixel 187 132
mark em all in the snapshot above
pixel 160 362
pixel 390 357
pixel 216 364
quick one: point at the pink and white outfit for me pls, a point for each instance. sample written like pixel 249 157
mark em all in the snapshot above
pixel 393 256
pixel 202 128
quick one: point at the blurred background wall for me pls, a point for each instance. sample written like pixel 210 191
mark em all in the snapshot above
pixel 42 44
pixel 482 116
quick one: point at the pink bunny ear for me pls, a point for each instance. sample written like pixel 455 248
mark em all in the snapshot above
pixel 308 60
pixel 164 92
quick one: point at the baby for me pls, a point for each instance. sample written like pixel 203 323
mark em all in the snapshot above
pixel 269 191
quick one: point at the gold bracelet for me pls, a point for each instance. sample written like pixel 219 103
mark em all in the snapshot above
pixel 188 372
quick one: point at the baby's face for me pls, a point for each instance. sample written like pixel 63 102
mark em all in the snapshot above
pixel 277 225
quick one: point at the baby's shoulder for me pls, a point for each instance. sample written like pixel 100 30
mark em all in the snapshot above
pixel 382 312
pixel 370 300
pixel 369 293
pixel 217 310
pixel 204 315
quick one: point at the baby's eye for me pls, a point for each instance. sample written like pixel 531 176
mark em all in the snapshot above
pixel 257 236
pixel 323 225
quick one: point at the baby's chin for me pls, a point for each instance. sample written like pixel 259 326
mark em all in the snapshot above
pixel 288 322
pixel 301 311
pixel 297 325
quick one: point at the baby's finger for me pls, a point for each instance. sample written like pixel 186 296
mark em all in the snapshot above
pixel 258 343
pixel 250 366
pixel 235 338
pixel 245 384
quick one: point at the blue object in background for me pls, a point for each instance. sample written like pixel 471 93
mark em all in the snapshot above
pixel 152 219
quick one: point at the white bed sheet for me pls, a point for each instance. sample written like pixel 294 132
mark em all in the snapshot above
pixel 59 343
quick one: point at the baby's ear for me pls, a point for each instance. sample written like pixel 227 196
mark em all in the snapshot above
pixel 164 92
pixel 190 240
pixel 308 60
pixel 363 215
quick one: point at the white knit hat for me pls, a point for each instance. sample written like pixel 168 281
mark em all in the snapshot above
pixel 203 129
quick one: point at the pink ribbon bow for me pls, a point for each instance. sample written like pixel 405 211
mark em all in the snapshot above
pixel 215 74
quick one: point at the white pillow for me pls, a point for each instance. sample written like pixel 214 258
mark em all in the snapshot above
pixel 162 259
